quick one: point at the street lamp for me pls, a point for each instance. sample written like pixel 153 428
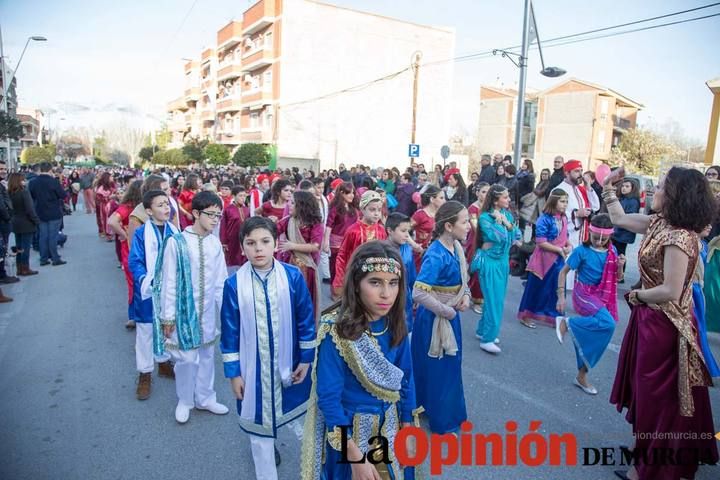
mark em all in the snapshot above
pixel 6 85
pixel 521 63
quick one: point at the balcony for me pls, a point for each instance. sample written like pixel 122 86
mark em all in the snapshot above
pixel 207 55
pixel 177 104
pixel 229 104
pixel 207 115
pixel 621 123
pixel 191 65
pixel 256 98
pixel 177 124
pixel 229 70
pixel 229 35
pixel 228 137
pixel 192 94
pixel 259 16
pixel 256 59
pixel 207 83
pixel 257 135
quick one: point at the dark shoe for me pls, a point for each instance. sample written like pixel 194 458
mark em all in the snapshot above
pixel 44 262
pixel 59 262
pixel 165 369
pixel 277 457
pixel 9 279
pixel 24 271
pixel 4 299
pixel 143 387
pixel 622 474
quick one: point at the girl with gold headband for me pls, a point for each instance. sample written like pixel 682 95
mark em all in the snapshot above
pixel 599 268
pixel 441 292
pixel 362 377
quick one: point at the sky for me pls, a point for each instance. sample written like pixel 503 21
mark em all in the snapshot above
pixel 125 56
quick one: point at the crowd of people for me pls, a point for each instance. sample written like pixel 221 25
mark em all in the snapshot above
pixel 404 254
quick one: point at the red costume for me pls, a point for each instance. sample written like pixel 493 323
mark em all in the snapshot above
pixel 232 221
pixel 355 236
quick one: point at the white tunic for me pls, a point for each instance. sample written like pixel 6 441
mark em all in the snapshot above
pixel 208 272
pixel 576 202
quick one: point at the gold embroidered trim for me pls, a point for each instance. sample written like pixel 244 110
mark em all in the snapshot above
pixel 348 355
pixel 437 288
pixel 334 438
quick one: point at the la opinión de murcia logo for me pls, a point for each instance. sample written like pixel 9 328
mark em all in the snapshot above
pixel 414 446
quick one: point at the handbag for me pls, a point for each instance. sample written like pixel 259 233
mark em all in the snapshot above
pixel 391 201
pixel 75 187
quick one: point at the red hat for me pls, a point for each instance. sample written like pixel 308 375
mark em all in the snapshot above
pixel 571 165
pixel 274 177
pixel 336 183
pixel 261 178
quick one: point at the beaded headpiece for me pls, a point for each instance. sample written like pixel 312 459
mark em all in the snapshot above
pixel 381 264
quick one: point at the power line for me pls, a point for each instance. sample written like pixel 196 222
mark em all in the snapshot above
pixel 548 44
pixel 182 24
pixel 488 53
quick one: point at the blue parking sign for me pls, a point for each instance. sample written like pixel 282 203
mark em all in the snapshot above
pixel 413 150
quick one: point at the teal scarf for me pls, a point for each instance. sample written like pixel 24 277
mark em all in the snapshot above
pixel 186 319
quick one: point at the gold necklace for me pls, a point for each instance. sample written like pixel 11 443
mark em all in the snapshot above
pixel 378 334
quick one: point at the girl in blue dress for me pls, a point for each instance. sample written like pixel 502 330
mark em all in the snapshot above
pixel 441 291
pixel 539 300
pixel 362 377
pixel 496 234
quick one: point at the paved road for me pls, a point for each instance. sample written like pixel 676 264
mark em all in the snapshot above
pixel 68 407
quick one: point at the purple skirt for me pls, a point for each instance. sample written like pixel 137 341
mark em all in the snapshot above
pixel 646 383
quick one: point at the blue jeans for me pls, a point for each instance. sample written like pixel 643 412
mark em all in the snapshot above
pixel 23 242
pixel 48 233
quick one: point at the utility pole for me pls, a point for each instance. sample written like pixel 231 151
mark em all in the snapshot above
pixel 521 87
pixel 416 73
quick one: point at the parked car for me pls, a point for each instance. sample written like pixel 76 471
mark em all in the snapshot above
pixel 647 190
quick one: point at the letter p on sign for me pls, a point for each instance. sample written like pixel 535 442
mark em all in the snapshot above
pixel 413 150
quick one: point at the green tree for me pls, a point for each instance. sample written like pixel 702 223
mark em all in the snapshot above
pixel 251 155
pixel 641 151
pixel 163 137
pixel 37 154
pixel 174 157
pixel 194 149
pixel 10 127
pixel 146 153
pixel 217 154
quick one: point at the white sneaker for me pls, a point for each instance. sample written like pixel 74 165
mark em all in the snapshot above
pixel 182 413
pixel 490 347
pixel 214 407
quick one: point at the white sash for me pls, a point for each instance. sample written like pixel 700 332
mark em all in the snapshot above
pixel 151 238
pixel 248 332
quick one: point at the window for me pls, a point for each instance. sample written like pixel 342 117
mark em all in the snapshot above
pixel 267 80
pixel 268 40
pixel 254 120
pixel 268 119
pixel 601 140
pixel 604 106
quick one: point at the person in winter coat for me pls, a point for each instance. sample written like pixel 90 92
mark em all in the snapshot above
pixel 25 221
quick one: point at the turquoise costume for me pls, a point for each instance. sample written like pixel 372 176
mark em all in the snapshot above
pixel 438 381
pixel 493 267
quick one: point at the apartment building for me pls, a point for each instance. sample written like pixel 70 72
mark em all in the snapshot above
pixel 575 119
pixel 275 76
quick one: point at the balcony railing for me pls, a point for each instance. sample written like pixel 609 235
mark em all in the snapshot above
pixel 621 123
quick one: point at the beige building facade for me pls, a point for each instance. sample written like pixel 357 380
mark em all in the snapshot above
pixel 575 119
pixel 273 77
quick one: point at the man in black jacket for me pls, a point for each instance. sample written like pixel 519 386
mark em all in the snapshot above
pixel 5 226
pixel 558 175
pixel 48 195
pixel 487 171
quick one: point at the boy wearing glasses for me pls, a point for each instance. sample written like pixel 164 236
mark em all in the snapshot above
pixel 189 287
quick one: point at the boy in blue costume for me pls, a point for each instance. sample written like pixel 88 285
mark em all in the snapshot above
pixel 267 342
pixel 398 227
pixel 146 244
